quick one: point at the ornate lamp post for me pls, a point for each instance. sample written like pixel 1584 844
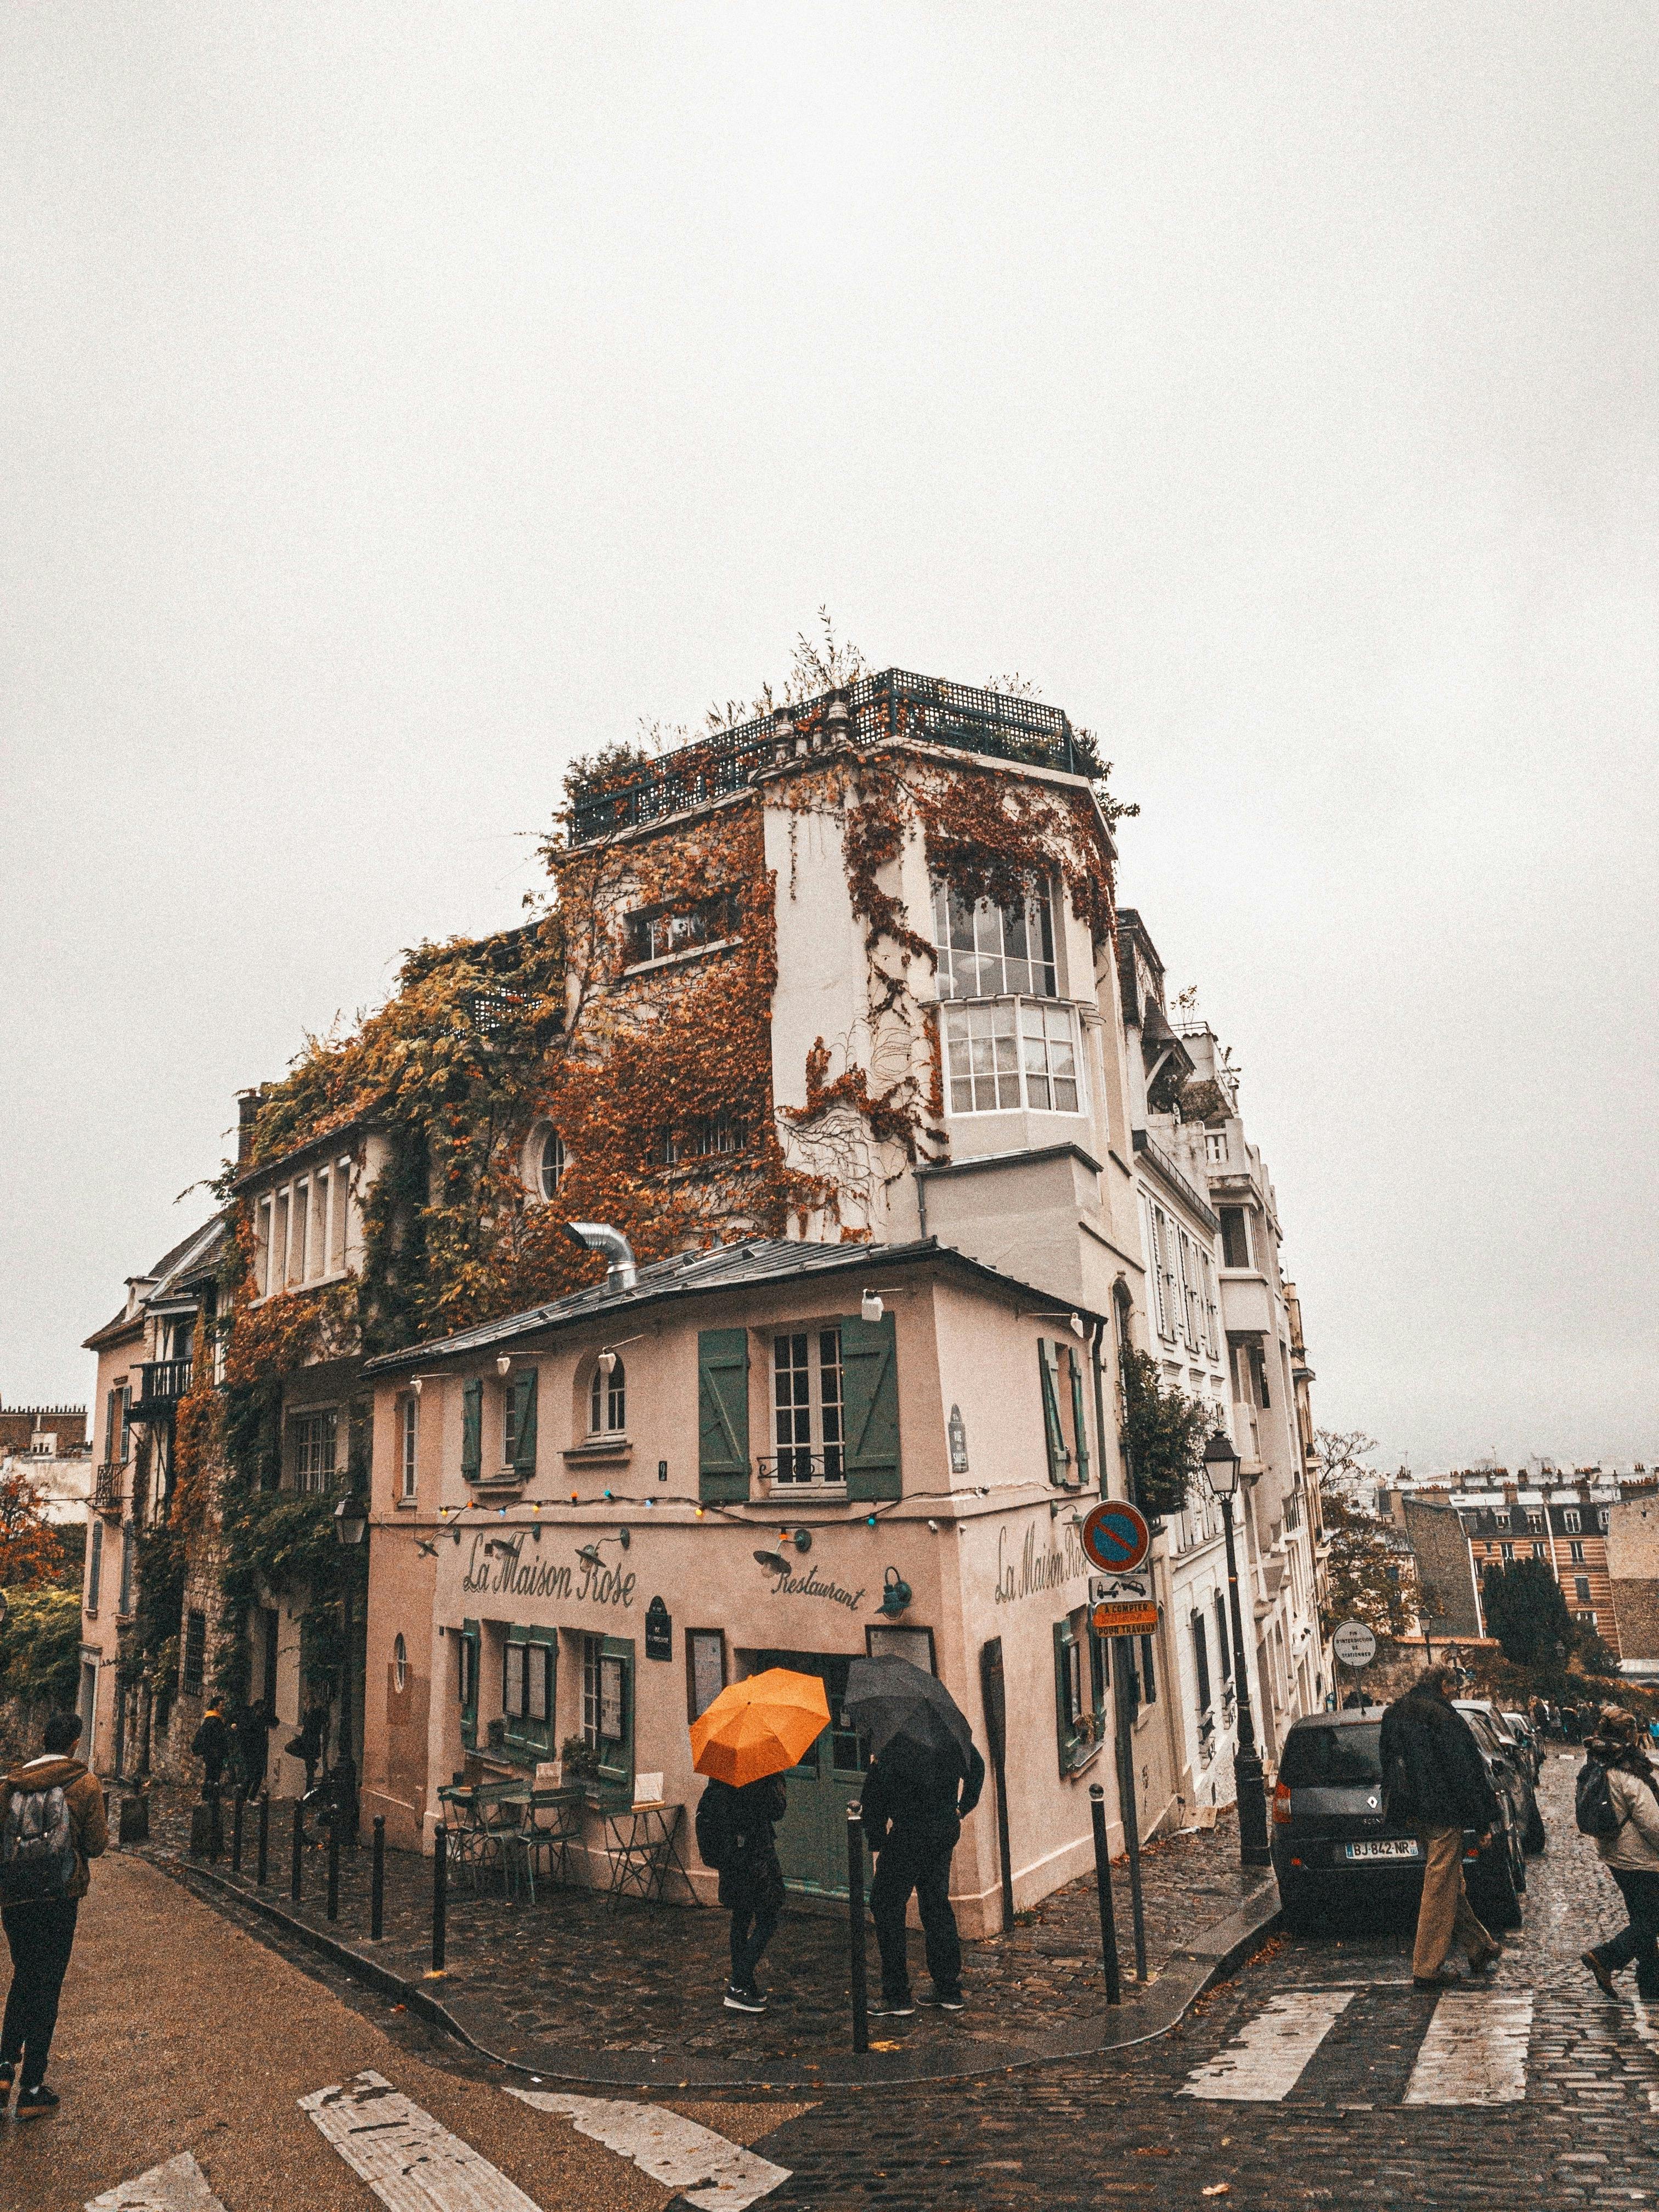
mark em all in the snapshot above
pixel 1221 1468
pixel 351 1527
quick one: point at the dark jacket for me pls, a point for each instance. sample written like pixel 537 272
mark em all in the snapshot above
pixel 1432 1772
pixel 83 1799
pixel 919 1800
pixel 211 1745
pixel 735 1834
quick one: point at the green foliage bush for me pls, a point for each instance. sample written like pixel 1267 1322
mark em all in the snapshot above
pixel 41 1646
pixel 1164 1433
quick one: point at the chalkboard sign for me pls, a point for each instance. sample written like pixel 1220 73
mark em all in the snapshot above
pixel 659 1631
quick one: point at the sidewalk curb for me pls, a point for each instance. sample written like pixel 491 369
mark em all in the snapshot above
pixel 1215 1956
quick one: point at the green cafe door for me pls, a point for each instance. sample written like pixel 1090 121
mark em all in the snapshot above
pixel 812 1834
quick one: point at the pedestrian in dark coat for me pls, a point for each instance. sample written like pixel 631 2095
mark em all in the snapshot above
pixel 40 1933
pixel 211 1745
pixel 736 1837
pixel 914 1803
pixel 253 1726
pixel 1435 1782
pixel 1631 1854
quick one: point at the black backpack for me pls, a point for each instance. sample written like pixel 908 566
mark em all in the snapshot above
pixel 1593 1806
pixel 715 1839
pixel 36 1847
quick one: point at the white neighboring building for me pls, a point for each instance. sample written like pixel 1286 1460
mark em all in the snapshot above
pixel 48 1444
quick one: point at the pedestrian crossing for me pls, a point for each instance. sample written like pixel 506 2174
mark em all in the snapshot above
pixel 412 2163
pixel 1472 2049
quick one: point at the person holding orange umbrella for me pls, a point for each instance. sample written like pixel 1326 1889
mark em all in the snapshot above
pixel 745 1742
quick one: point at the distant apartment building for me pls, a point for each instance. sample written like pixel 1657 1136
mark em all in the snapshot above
pixel 47 1445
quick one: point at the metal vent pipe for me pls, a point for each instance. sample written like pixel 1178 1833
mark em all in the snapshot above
pixel 601 1237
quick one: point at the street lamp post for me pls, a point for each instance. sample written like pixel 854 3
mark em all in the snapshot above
pixel 1221 1467
pixel 351 1527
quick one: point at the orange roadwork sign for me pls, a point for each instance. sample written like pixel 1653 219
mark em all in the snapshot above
pixel 1125 1619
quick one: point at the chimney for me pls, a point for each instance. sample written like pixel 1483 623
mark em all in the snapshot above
pixel 247 1110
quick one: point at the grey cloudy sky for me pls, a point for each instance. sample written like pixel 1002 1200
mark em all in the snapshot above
pixel 399 400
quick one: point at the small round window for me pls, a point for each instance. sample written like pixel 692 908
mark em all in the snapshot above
pixel 400 1664
pixel 549 1170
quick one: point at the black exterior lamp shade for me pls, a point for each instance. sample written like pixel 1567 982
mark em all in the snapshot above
pixel 1221 1465
pixel 350 1520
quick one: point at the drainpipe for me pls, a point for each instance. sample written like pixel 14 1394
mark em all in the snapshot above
pixel 1095 1343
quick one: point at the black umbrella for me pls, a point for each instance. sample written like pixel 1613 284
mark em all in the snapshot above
pixel 894 1703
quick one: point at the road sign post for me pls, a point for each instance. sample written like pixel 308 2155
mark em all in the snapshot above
pixel 1355 1647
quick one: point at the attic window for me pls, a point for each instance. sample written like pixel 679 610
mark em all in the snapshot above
pixel 659 933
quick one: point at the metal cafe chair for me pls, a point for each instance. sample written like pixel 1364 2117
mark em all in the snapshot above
pixel 552 1825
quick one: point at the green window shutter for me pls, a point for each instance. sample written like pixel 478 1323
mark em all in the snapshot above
pixel 1079 1424
pixel 1065 1733
pixel 1048 1363
pixel 472 1432
pixel 524 1422
pixel 468 1657
pixel 869 1368
pixel 722 1414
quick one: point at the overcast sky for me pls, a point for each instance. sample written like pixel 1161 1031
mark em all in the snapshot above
pixel 398 399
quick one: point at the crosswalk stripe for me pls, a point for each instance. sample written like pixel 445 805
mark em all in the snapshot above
pixel 1264 2062
pixel 178 2185
pixel 1474 2052
pixel 706 2169
pixel 411 2163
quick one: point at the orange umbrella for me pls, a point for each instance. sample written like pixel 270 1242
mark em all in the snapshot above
pixel 764 1725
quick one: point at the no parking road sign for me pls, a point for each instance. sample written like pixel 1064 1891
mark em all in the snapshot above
pixel 1115 1537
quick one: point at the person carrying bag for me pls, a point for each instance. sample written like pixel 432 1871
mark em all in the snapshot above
pixel 1616 1806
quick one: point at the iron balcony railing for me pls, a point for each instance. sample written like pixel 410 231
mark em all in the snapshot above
pixel 894 704
pixel 799 1465
pixel 1165 1168
pixel 107 1486
pixel 162 1383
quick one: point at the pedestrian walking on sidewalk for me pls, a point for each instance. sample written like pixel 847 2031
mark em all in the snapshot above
pixel 914 1803
pixel 52 1825
pixel 1617 1805
pixel 1435 1781
pixel 211 1745
pixel 736 1838
pixel 253 1726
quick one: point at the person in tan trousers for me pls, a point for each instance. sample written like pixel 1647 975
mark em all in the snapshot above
pixel 1435 1781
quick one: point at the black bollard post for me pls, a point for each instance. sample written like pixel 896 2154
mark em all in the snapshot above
pixel 334 1868
pixel 440 1896
pixel 216 1827
pixel 263 1864
pixel 236 1809
pixel 377 1882
pixel 299 1846
pixel 1103 1885
pixel 855 1928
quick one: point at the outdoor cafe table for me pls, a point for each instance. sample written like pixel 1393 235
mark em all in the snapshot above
pixel 641 1845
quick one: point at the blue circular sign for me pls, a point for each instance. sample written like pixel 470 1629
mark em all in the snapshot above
pixel 1115 1537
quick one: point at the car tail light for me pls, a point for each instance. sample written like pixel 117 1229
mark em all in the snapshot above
pixel 1282 1805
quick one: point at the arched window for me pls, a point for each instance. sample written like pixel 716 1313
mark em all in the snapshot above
pixel 550 1166
pixel 400 1664
pixel 607 1400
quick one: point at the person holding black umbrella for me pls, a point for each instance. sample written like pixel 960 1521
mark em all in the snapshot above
pixel 925 1778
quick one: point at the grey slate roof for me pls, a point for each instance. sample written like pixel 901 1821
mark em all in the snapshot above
pixel 760 1260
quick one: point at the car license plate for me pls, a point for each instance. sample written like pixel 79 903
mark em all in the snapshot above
pixel 1391 1847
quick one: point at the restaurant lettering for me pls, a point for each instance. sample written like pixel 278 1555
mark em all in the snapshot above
pixel 810 1584
pixel 495 1564
pixel 1037 1571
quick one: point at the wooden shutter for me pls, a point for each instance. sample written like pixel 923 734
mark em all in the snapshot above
pixel 524 1423
pixel 869 1358
pixel 1079 1424
pixel 472 1432
pixel 96 1566
pixel 1065 1726
pixel 722 1414
pixel 1049 1367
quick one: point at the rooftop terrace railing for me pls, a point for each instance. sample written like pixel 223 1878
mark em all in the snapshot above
pixel 894 704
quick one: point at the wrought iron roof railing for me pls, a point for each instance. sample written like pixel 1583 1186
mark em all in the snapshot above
pixel 893 704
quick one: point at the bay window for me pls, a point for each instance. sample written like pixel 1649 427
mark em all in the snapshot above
pixel 1017 1046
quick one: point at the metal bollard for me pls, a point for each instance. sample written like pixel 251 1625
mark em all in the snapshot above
pixel 216 1827
pixel 263 1863
pixel 1103 1885
pixel 299 1846
pixel 377 1882
pixel 855 1928
pixel 334 1868
pixel 440 1896
pixel 236 1809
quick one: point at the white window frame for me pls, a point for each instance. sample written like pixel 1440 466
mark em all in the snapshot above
pixel 607 1400
pixel 817 1421
pixel 1011 1026
pixel 409 1445
pixel 1011 975
pixel 313 1446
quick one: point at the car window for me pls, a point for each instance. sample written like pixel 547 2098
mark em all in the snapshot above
pixel 1331 1758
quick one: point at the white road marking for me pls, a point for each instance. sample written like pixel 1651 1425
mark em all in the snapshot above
pixel 1474 2052
pixel 410 2162
pixel 706 2169
pixel 1649 2035
pixel 179 2185
pixel 1265 2061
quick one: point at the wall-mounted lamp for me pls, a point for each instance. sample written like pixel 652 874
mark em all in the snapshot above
pixel 607 1362
pixel 895 1594
pixel 503 1363
pixel 774 1562
pixel 416 1383
pixel 870 1307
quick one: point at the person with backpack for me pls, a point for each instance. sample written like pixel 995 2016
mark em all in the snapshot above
pixel 736 1840
pixel 211 1745
pixel 52 1825
pixel 1435 1781
pixel 1617 1806
pixel 915 1802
